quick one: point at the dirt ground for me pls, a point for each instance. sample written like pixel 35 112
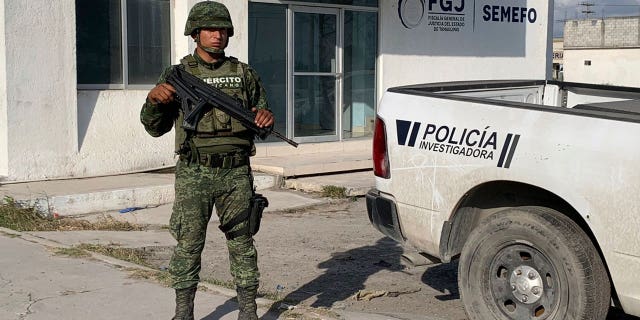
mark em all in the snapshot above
pixel 323 256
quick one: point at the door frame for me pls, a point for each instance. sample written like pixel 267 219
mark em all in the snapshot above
pixel 338 72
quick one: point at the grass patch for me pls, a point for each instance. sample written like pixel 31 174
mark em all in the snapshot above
pixel 293 315
pixel 132 255
pixel 9 235
pixel 310 314
pixel 162 277
pixel 136 256
pixel 104 223
pixel 73 252
pixel 334 192
pixel 16 217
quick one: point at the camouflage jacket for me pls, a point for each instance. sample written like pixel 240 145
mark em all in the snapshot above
pixel 229 75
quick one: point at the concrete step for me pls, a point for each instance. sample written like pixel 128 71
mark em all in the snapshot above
pixel 305 171
pixel 79 196
pixel 279 200
pixel 313 164
pixel 354 183
pixel 99 194
pixel 314 158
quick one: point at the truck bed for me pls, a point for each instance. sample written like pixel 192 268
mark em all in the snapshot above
pixel 601 101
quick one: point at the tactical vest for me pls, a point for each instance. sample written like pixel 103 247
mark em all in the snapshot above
pixel 216 127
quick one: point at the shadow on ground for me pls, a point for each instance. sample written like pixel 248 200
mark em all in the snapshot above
pixel 223 309
pixel 616 314
pixel 345 274
pixel 444 278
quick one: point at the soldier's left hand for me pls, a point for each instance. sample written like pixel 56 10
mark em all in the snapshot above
pixel 264 118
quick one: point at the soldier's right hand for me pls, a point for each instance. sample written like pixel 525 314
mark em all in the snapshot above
pixel 162 93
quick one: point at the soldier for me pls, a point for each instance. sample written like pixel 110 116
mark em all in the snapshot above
pixel 213 168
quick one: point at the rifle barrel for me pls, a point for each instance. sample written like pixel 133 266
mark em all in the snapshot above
pixel 199 92
pixel 285 139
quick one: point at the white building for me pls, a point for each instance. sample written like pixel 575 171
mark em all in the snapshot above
pixel 74 73
pixel 603 51
pixel 558 53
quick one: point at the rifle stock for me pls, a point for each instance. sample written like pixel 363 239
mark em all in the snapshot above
pixel 196 95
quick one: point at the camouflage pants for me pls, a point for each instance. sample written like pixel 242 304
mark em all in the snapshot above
pixel 198 189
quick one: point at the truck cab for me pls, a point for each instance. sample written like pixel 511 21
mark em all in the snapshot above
pixel 531 184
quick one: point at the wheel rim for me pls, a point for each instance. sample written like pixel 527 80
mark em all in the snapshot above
pixel 523 283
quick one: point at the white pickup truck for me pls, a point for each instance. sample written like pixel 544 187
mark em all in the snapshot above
pixel 533 185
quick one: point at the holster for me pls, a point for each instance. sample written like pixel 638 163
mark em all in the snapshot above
pixel 258 203
pixel 253 216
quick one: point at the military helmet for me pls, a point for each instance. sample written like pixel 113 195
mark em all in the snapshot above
pixel 208 14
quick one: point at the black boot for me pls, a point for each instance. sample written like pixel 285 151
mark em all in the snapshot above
pixel 184 303
pixel 247 303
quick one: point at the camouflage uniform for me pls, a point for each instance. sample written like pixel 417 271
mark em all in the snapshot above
pixel 199 186
pixel 213 170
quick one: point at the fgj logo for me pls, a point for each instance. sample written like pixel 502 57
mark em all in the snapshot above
pixel 411 12
pixel 446 6
pixel 466 142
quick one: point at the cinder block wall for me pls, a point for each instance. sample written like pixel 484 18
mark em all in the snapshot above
pixel 622 32
pixel 617 32
pixel 583 33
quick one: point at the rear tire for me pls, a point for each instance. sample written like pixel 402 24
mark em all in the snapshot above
pixel 532 263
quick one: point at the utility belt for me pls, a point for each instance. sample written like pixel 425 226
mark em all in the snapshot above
pixel 217 160
pixel 224 161
pixel 215 135
pixel 191 153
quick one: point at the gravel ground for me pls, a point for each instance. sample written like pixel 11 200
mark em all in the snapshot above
pixel 324 256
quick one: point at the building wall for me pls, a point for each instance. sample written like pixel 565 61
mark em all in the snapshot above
pixel 239 43
pixel 84 132
pixel 110 119
pixel 558 51
pixel 622 32
pixel 598 33
pixel 603 51
pixel 618 67
pixel 4 152
pixel 479 50
pixel 50 129
pixel 111 137
pixel 583 33
pixel 40 87
pixel 557 72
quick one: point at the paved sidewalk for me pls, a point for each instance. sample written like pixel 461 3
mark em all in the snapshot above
pixel 36 283
pixel 145 190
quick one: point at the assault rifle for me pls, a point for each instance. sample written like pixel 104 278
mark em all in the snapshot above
pixel 195 95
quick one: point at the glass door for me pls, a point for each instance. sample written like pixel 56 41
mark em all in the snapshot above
pixel 315 73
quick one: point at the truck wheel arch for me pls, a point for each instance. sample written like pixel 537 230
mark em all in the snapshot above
pixel 491 197
pixel 488 198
